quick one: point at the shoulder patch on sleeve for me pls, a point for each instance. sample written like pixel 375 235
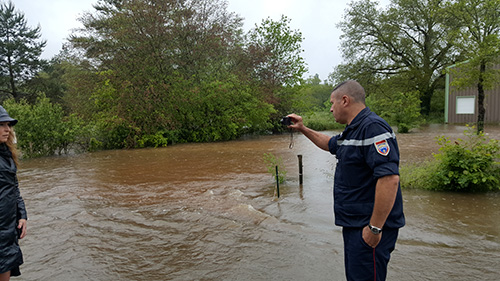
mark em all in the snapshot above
pixel 382 147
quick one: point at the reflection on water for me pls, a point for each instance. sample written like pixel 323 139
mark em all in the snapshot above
pixel 208 212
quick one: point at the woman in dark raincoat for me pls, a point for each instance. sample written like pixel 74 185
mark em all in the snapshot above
pixel 12 210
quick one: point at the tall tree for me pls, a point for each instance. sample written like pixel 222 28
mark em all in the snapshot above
pixel 284 65
pixel 480 21
pixel 167 65
pixel 162 37
pixel 20 50
pixel 279 65
pixel 410 38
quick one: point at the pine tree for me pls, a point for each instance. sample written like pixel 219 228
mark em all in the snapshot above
pixel 20 50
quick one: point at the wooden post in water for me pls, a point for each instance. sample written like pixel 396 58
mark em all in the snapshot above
pixel 277 182
pixel 300 169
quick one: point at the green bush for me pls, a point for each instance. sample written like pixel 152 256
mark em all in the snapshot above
pixel 156 140
pixel 223 110
pixel 43 130
pixel 469 165
pixel 113 133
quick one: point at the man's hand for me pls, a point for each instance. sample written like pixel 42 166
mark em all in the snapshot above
pixel 371 239
pixel 319 139
pixel 298 124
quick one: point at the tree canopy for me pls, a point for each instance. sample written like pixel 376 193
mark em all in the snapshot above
pixel 184 68
pixel 20 50
pixel 413 40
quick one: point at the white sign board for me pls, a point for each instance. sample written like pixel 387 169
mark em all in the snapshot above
pixel 466 105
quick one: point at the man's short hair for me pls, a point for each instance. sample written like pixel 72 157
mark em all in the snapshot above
pixel 352 89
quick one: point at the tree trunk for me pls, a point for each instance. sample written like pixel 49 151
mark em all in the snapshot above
pixel 480 99
pixel 425 106
pixel 11 79
pixel 425 100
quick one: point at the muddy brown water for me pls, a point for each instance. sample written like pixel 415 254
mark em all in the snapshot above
pixel 209 212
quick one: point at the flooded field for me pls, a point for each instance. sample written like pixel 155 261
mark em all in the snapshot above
pixel 209 212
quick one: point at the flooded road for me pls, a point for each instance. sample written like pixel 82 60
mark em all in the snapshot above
pixel 209 212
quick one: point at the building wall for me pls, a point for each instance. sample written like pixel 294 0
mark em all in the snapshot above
pixel 491 104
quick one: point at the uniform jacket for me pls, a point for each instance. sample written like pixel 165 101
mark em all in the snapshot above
pixel 11 210
pixel 366 151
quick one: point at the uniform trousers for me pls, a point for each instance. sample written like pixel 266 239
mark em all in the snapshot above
pixel 363 262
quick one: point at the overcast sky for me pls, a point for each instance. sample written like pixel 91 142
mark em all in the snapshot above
pixel 316 19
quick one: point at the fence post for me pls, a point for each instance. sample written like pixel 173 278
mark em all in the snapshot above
pixel 300 169
pixel 277 182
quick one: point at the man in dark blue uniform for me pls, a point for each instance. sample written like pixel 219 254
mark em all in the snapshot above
pixel 367 196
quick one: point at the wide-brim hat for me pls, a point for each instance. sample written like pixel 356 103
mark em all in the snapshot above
pixel 4 117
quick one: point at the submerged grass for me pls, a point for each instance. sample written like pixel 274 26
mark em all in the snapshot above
pixel 272 161
pixel 417 175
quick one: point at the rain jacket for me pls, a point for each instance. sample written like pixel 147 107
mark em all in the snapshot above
pixel 366 151
pixel 12 209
